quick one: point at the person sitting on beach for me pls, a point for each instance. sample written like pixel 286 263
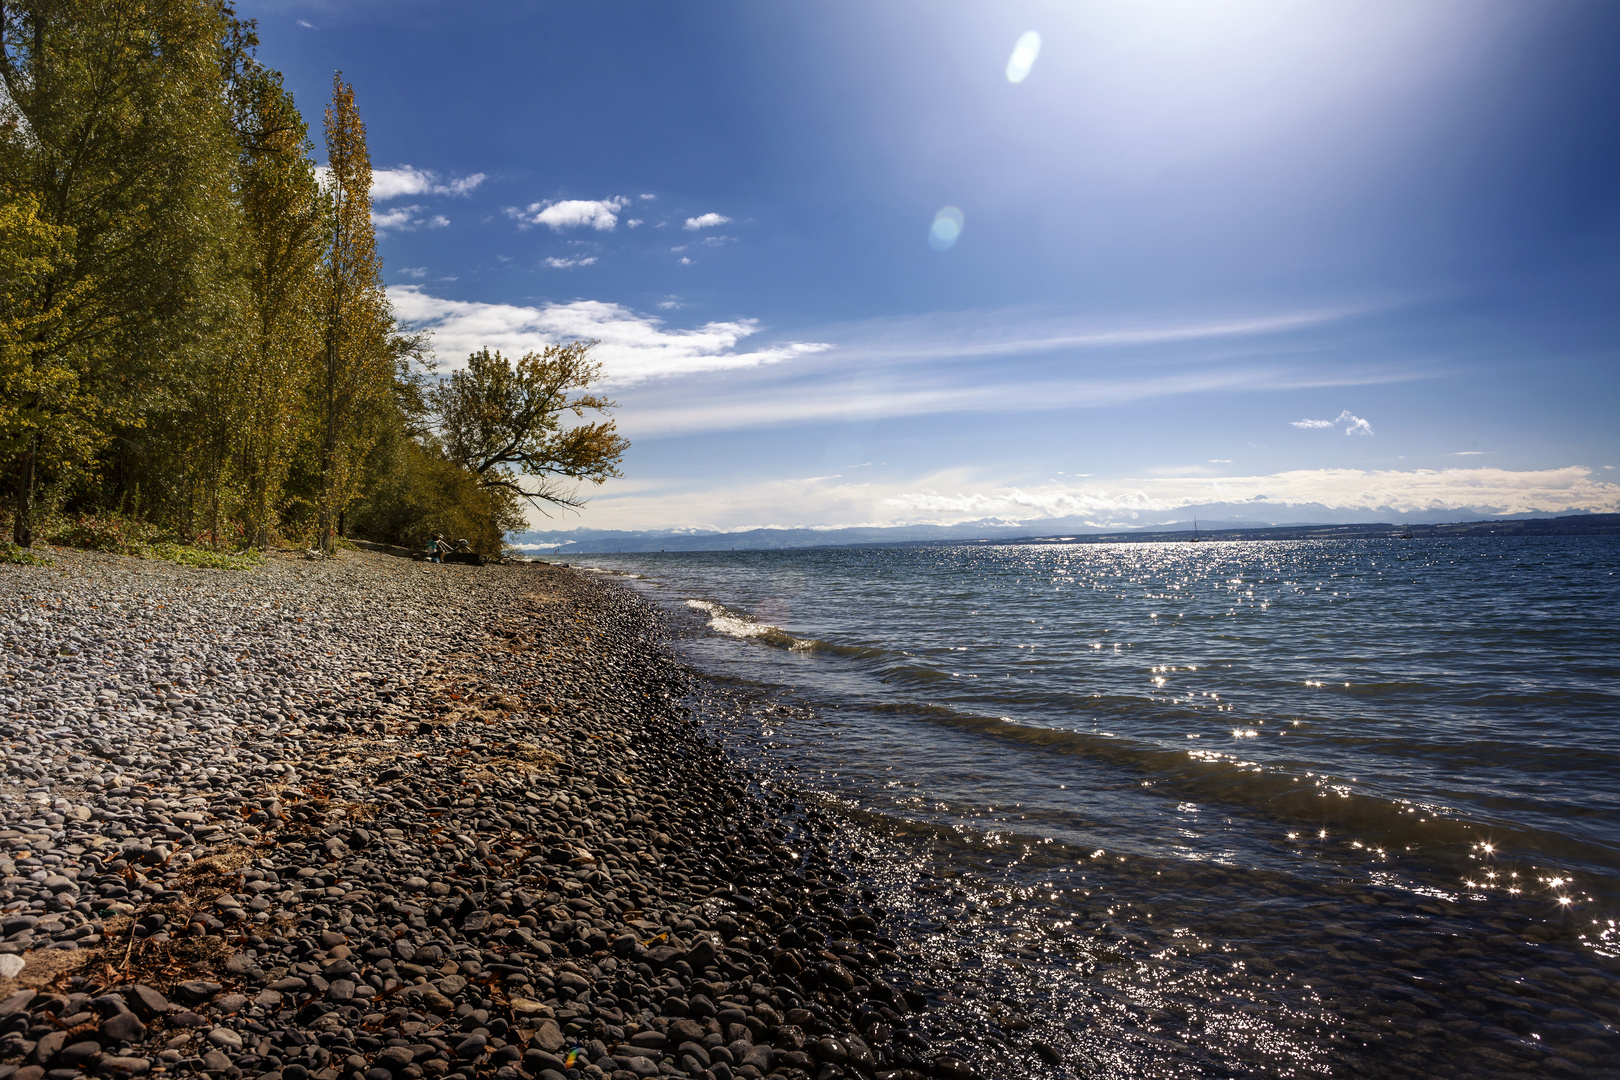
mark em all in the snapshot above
pixel 439 548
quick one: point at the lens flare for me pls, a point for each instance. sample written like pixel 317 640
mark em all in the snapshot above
pixel 1023 56
pixel 946 228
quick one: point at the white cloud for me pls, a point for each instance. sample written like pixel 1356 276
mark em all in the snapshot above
pixel 649 198
pixel 633 222
pixel 405 180
pixel 685 261
pixel 1220 461
pixel 706 221
pixel 634 347
pixel 1482 491
pixel 562 264
pixel 406 219
pixel 600 214
pixel 1353 424
pixel 718 241
pixel 672 304
pixel 413 271
pixel 955 496
pixel 307 25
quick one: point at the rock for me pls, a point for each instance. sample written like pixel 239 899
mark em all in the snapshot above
pixel 196 992
pixel 126 1066
pixel 79 1055
pixel 394 1058
pixel 17 1002
pixel 684 1030
pixel 225 1038
pixel 145 1001
pixel 49 1045
pixel 548 1036
pixel 11 965
pixel 124 1027
pixel 185 1018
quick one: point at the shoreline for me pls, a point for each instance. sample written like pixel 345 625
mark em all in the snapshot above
pixel 370 820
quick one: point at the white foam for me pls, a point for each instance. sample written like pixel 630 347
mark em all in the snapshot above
pixel 730 623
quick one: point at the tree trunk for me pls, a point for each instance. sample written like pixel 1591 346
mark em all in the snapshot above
pixel 22 518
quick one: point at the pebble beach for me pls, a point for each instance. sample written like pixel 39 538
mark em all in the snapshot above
pixel 375 820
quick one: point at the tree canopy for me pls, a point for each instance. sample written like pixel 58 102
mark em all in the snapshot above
pixel 506 421
pixel 194 331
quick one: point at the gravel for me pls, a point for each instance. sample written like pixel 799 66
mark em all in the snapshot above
pixel 372 820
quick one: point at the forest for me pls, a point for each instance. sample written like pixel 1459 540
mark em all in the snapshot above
pixel 197 351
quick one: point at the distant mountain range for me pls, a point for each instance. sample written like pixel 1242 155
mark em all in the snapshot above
pixel 1069 530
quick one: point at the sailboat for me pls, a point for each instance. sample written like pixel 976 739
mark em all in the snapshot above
pixel 1195 537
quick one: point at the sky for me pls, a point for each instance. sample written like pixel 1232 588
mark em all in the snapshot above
pixel 882 263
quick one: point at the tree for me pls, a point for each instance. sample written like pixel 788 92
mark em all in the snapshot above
pixel 116 125
pixel 355 379
pixel 45 410
pixel 281 208
pixel 496 417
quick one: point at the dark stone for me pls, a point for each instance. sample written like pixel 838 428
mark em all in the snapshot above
pixel 196 992
pixel 684 1030
pixel 16 1003
pixel 124 1027
pixel 395 1058
pixel 78 1055
pixel 1047 1053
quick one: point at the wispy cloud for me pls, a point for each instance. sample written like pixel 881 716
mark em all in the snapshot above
pixel 563 264
pixel 413 271
pixel 307 25
pixel 406 180
pixel 602 214
pixel 706 221
pixel 633 347
pixel 1353 424
pixel 633 222
pixel 407 219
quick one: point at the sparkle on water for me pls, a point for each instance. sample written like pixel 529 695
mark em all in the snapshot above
pixel 1404 787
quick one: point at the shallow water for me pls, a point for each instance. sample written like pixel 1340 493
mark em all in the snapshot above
pixel 1214 809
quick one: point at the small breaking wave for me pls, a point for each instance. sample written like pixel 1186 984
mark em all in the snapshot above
pixel 735 624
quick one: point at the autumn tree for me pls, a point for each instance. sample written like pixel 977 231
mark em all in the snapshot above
pixel 355 372
pixel 505 421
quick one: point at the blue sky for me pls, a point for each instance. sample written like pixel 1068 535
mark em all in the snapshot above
pixel 1359 255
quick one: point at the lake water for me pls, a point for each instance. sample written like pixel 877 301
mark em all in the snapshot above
pixel 1206 809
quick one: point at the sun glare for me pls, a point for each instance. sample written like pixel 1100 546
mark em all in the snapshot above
pixel 1023 56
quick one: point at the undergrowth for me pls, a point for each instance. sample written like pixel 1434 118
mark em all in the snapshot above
pixel 122 535
pixel 11 554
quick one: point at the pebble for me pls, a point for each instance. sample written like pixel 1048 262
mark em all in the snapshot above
pixel 358 822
